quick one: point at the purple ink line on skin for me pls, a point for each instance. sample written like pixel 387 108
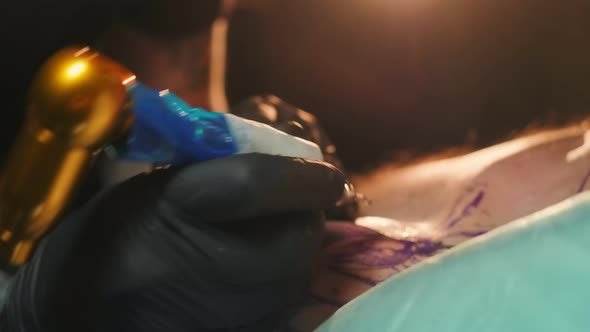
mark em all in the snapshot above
pixel 468 191
pixel 468 209
pixel 584 182
pixel 366 255
pixel 456 204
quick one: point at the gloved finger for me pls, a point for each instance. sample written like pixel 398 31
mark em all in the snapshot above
pixel 252 185
pixel 283 116
pixel 264 249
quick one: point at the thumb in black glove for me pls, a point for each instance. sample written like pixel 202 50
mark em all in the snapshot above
pixel 273 111
pixel 224 245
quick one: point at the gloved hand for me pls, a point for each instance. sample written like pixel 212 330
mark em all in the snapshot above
pixel 275 112
pixel 224 245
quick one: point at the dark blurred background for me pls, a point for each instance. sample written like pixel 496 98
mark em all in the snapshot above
pixel 386 76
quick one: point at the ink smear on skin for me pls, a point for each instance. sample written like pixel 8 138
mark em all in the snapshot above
pixel 370 257
pixel 584 183
pixel 464 208
pixel 467 209
pixel 360 252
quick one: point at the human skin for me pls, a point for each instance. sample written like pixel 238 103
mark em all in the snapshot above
pixel 496 185
pixel 421 210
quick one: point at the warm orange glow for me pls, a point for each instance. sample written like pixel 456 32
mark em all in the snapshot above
pixel 217 97
pixel 399 230
pixel 76 69
pixel 82 51
pixel 581 151
pixel 6 235
pixel 21 252
pixel 44 136
pixel 129 80
pixel 62 186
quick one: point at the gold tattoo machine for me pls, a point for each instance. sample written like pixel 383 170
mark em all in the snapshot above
pixel 78 104
pixel 82 101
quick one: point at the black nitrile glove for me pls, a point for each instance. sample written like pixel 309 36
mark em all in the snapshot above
pixel 275 112
pixel 224 245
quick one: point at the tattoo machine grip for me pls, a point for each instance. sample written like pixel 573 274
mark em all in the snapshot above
pixel 81 102
pixel 78 103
